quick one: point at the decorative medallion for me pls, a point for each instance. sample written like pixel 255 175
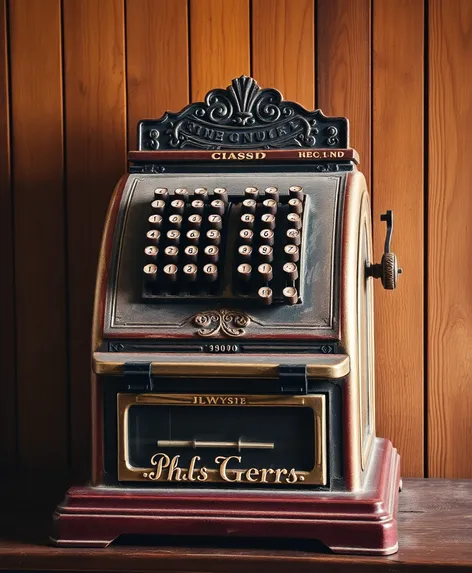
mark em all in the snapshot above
pixel 221 323
pixel 243 116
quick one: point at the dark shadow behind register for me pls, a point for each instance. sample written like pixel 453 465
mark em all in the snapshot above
pixel 233 355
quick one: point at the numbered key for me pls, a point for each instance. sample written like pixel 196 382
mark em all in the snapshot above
pixel 296 191
pixel 265 294
pixel 213 236
pixel 195 221
pixel 161 193
pixel 268 221
pixel 155 221
pixel 201 193
pixel 193 236
pixel 218 206
pixel 267 236
pixel 245 252
pixel 172 253
pixel 244 271
pixel 290 295
pixel 251 192
pixel 215 221
pixel 198 206
pixel 182 193
pixel 173 236
pixel 292 253
pixel 293 236
pixel 151 252
pixel 190 272
pixel 212 253
pixel 153 236
pixel 295 205
pixel 266 253
pixel 271 193
pixel 270 206
pixel 221 193
pixel 170 272
pixel 249 206
pixel 247 220
pixel 158 206
pixel 294 220
pixel 177 206
pixel 175 221
pixel 210 272
pixel 265 270
pixel 291 271
pixel 246 235
pixel 150 272
pixel 191 253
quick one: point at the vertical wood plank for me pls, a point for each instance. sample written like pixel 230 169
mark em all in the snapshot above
pixel 344 67
pixel 283 51
pixel 7 289
pixel 219 44
pixel 398 180
pixel 37 174
pixel 95 158
pixel 449 240
pixel 157 59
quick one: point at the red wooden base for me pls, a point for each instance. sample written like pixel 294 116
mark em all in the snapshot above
pixel 346 522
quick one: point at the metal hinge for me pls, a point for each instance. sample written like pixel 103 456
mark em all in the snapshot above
pixel 293 379
pixel 141 373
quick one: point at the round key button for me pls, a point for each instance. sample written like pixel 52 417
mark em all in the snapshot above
pixel 248 220
pixel 246 235
pixel 294 220
pixel 177 206
pixel 270 206
pixel 182 194
pixel 153 236
pixel 155 221
pixel 190 272
pixel 294 237
pixel 221 193
pixel 267 236
pixel 251 192
pixel 290 295
pixel 266 253
pixel 249 206
pixel 292 253
pixel 201 193
pixel 173 236
pixel 193 236
pixel 150 272
pixel 265 294
pixel 271 193
pixel 266 271
pixel 191 253
pixel 172 253
pixel 161 193
pixel 211 252
pixel 213 236
pixel 198 205
pixel 171 272
pixel 244 271
pixel 268 220
pixel 295 205
pixel 291 270
pixel 210 272
pixel 195 221
pixel 176 221
pixel 215 221
pixel 296 191
pixel 245 252
pixel 218 206
pixel 158 206
pixel 151 253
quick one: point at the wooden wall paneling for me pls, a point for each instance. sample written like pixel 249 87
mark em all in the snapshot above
pixel 344 69
pixel 219 44
pixel 94 53
pixel 157 60
pixel 283 50
pixel 398 181
pixel 40 281
pixel 449 240
pixel 7 289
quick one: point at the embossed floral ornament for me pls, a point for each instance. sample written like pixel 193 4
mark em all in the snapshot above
pixel 221 323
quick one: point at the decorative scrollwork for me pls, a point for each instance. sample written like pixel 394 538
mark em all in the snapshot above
pixel 221 323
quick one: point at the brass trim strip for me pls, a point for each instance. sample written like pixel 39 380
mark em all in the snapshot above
pixel 334 366
pixel 317 402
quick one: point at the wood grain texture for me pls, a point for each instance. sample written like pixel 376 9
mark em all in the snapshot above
pixel 398 179
pixel 7 287
pixel 37 175
pixel 283 51
pixel 450 250
pixel 157 60
pixel 344 65
pixel 219 44
pixel 95 158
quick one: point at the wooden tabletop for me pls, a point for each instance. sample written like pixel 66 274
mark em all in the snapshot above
pixel 435 534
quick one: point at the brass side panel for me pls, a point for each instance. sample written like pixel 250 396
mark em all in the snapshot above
pixel 317 476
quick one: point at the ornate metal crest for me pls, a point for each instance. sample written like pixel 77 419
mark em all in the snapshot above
pixel 243 116
pixel 221 323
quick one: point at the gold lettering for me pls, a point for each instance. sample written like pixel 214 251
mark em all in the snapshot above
pixel 223 465
pixel 191 467
pixel 301 154
pixel 340 153
pixel 174 468
pixel 292 476
pixel 249 155
pixel 161 463
pixel 264 473
pixel 211 399
pixel 333 154
pixel 260 155
pixel 203 475
pixel 316 155
pixel 249 473
pixel 216 155
pixel 242 400
pixel 278 473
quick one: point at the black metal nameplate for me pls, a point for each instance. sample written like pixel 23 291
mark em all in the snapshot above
pixel 243 116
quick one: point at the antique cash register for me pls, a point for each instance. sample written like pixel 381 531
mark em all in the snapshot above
pixel 233 339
